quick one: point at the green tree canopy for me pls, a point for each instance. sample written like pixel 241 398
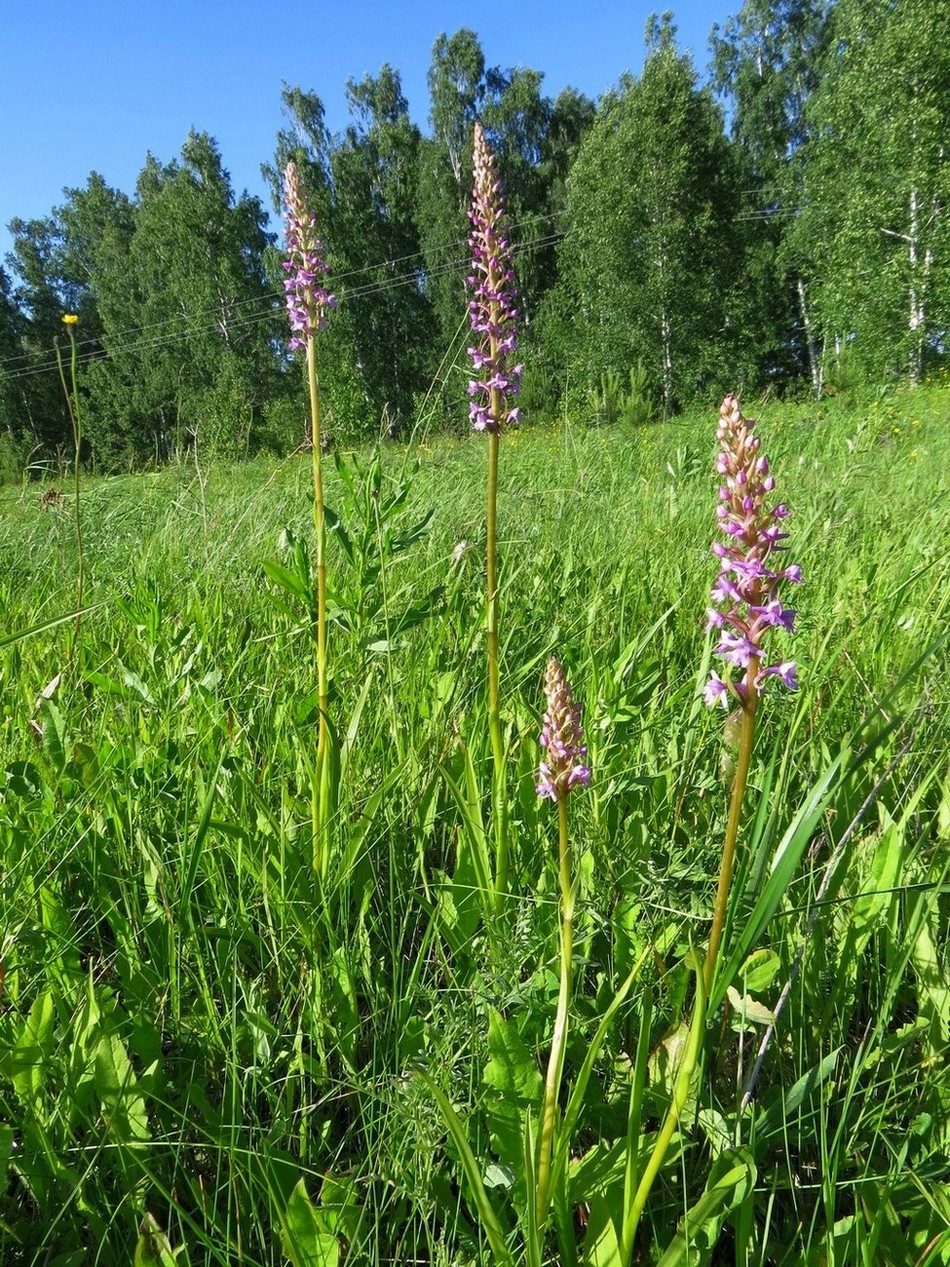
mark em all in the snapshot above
pixel 649 265
pixel 375 236
pixel 187 315
pixel 766 64
pixel 877 186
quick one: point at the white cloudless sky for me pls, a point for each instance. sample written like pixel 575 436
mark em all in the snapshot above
pixel 95 86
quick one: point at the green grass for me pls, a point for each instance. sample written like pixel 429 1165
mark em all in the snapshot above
pixel 190 1027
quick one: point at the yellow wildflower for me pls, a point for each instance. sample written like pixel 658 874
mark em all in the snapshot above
pixel 70 319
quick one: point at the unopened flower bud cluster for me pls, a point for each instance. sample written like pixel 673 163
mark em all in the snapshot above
pixel 562 737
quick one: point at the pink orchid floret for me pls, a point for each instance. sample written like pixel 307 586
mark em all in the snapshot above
pixel 746 594
pixel 492 309
pixel 308 301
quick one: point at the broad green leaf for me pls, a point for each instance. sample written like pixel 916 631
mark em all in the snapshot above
pixel 294 584
pixel 136 685
pixel 871 905
pixel 111 687
pixel 339 1210
pixel 302 1234
pixel 123 1104
pixel 55 735
pixel 748 1009
pixel 29 1060
pixel 499 1176
pixel 602 1239
pixel 153 1248
pixel 760 970
pixel 731 1179
pixel 599 1169
pixel 775 1116
pixel 344 1010
pixel 512 1068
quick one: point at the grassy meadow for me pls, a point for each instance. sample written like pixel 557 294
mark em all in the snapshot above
pixel 207 1057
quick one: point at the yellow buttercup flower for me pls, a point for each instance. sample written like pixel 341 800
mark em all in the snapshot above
pixel 70 319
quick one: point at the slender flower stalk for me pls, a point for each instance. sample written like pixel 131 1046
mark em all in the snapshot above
pixel 559 774
pixel 494 320
pixel 747 607
pixel 308 305
pixel 70 321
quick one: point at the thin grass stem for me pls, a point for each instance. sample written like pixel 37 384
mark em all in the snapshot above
pixel 678 1100
pixel 727 865
pixel 559 1038
pixel 319 526
pixel 499 799
pixel 75 418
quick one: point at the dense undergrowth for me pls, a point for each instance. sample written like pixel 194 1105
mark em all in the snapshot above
pixel 190 1027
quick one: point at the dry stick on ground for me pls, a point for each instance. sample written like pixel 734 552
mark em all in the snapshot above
pixel 826 879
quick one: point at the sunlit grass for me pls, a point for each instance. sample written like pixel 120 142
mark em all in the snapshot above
pixel 184 1035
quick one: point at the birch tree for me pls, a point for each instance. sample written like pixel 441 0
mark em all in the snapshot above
pixel 877 187
pixel 766 64
pixel 651 260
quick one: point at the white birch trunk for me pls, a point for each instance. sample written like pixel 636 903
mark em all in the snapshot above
pixel 665 334
pixel 920 265
pixel 814 361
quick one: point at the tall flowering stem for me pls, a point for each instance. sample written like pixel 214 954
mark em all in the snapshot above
pixel 71 392
pixel 747 609
pixel 494 320
pixel 561 771
pixel 308 305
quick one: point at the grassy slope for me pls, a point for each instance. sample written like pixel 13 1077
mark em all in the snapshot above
pixel 188 1028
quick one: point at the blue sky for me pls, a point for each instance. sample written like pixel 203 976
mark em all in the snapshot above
pixel 95 86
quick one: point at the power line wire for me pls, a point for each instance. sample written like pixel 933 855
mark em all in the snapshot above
pixel 336 279
pixel 118 350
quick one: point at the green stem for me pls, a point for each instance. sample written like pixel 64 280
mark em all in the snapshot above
pixel 681 1088
pixel 75 418
pixel 746 736
pixel 319 524
pixel 499 800
pixel 492 577
pixel 559 1037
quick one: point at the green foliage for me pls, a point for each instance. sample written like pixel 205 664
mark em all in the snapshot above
pixel 876 177
pixel 194 269
pixel 767 62
pixel 535 141
pixel 375 237
pixel 206 1050
pixel 808 249
pixel 368 599
pixel 14 458
pixel 646 271
pixel 34 409
pixel 283 427
pixel 199 1050
pixel 630 405
pixel 174 313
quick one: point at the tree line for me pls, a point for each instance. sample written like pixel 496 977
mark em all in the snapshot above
pixel 782 224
